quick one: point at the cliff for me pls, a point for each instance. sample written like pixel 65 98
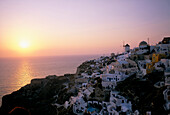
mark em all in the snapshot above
pixel 38 96
pixel 48 96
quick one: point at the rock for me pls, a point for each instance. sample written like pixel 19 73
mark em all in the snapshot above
pixel 38 96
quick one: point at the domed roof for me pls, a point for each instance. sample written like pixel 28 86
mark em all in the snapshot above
pixel 127 45
pixel 143 43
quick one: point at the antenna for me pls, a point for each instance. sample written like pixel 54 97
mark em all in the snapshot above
pixel 123 43
pixel 148 41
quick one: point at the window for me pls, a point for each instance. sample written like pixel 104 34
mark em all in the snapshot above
pixel 122 101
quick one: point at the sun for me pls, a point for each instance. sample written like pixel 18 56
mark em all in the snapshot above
pixel 24 44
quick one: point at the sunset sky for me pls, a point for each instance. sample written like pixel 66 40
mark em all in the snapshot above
pixel 76 27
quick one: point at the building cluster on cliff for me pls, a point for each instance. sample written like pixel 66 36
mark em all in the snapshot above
pixel 134 82
pixel 96 79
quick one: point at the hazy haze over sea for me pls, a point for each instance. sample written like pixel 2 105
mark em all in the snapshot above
pixel 17 72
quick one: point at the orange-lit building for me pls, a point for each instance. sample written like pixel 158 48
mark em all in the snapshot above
pixel 155 58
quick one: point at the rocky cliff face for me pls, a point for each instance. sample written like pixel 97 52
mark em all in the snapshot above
pixel 39 95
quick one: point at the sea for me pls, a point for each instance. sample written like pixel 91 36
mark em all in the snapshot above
pixel 17 72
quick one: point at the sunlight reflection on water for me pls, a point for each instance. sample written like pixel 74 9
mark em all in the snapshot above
pixel 17 72
pixel 24 74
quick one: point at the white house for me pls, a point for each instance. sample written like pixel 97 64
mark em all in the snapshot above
pixel 79 106
pixel 167 76
pixel 126 66
pixel 166 94
pixel 159 66
pixel 142 66
pixel 164 46
pixel 166 62
pixel 116 77
pixel 119 101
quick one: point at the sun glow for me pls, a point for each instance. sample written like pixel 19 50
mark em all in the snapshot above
pixel 24 44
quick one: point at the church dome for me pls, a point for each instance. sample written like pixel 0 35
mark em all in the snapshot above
pixel 127 45
pixel 143 43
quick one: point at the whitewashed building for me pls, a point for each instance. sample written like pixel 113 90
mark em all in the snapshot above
pixel 143 48
pixel 167 98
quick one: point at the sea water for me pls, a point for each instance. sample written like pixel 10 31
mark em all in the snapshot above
pixel 17 72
